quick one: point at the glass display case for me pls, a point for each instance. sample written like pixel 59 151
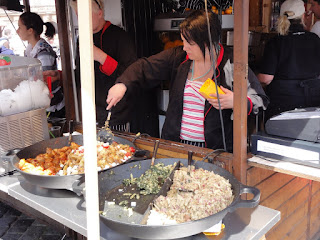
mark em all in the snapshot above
pixel 21 85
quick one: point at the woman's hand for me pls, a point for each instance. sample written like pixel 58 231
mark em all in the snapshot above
pixel 115 94
pixel 226 100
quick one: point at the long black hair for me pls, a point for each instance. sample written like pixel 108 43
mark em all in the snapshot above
pixel 195 29
pixel 34 21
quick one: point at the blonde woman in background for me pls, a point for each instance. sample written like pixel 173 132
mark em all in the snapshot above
pixel 290 66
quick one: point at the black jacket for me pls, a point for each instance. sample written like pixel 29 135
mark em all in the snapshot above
pixel 172 64
pixel 115 42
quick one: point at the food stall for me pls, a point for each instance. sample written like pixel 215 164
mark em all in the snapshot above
pixel 290 190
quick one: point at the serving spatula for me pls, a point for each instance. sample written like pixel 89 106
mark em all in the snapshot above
pixel 105 134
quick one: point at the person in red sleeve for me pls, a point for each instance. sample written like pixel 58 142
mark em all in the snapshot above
pixel 113 52
pixel 192 118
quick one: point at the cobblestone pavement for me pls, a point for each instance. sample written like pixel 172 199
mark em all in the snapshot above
pixel 15 225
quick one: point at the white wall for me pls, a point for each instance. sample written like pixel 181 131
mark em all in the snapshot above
pixel 112 12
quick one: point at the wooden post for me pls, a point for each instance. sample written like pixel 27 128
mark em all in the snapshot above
pixel 89 118
pixel 241 20
pixel 67 68
pixel 266 14
pixel 26 4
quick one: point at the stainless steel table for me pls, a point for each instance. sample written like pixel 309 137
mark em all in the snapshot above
pixel 68 209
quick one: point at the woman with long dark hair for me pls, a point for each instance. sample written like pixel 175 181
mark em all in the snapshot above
pixel 30 29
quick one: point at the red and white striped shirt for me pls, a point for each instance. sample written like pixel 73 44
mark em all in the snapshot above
pixel 192 124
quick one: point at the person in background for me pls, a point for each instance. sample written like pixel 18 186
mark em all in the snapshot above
pixel 7 34
pixel 30 28
pixel 113 52
pixel 5 41
pixel 290 65
pixel 4 47
pixel 191 118
pixel 315 9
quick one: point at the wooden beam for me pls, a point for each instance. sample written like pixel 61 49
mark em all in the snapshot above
pixel 241 28
pixel 26 4
pixel 89 121
pixel 266 14
pixel 62 21
pixel 255 12
pixel 171 149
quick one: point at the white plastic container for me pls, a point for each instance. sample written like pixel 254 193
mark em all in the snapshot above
pixel 21 86
pixel 23 129
pixel 24 98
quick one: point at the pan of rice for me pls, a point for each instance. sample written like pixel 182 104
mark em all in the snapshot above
pixel 194 203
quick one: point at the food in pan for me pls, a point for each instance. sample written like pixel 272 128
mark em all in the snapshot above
pixel 69 160
pixel 108 156
pixel 48 163
pixel 208 194
pixel 151 181
pixel 158 218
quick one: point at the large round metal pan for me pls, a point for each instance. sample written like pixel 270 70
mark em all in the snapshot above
pixel 70 182
pixel 125 225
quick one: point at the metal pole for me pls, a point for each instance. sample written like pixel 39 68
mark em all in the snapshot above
pixel 72 50
pixel 241 28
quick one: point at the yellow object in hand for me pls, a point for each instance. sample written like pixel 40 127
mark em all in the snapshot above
pixel 209 87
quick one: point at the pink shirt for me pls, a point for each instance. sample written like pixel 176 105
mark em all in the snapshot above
pixel 192 124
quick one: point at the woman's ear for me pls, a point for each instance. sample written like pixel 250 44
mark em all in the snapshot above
pixel 100 13
pixel 30 31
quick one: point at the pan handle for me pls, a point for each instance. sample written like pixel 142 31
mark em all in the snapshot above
pixel 78 186
pixel 247 203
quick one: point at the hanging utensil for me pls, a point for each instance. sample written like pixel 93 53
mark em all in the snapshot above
pixel 105 134
pixel 190 153
pixel 70 132
pixel 9 173
pixel 63 166
pixel 155 150
pixel 188 181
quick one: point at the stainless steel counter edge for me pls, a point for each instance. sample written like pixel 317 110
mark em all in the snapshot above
pixel 61 205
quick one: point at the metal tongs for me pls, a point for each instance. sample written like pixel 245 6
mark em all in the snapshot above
pixel 155 150
pixel 105 134
pixel 190 153
pixel 70 132
pixel 63 167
